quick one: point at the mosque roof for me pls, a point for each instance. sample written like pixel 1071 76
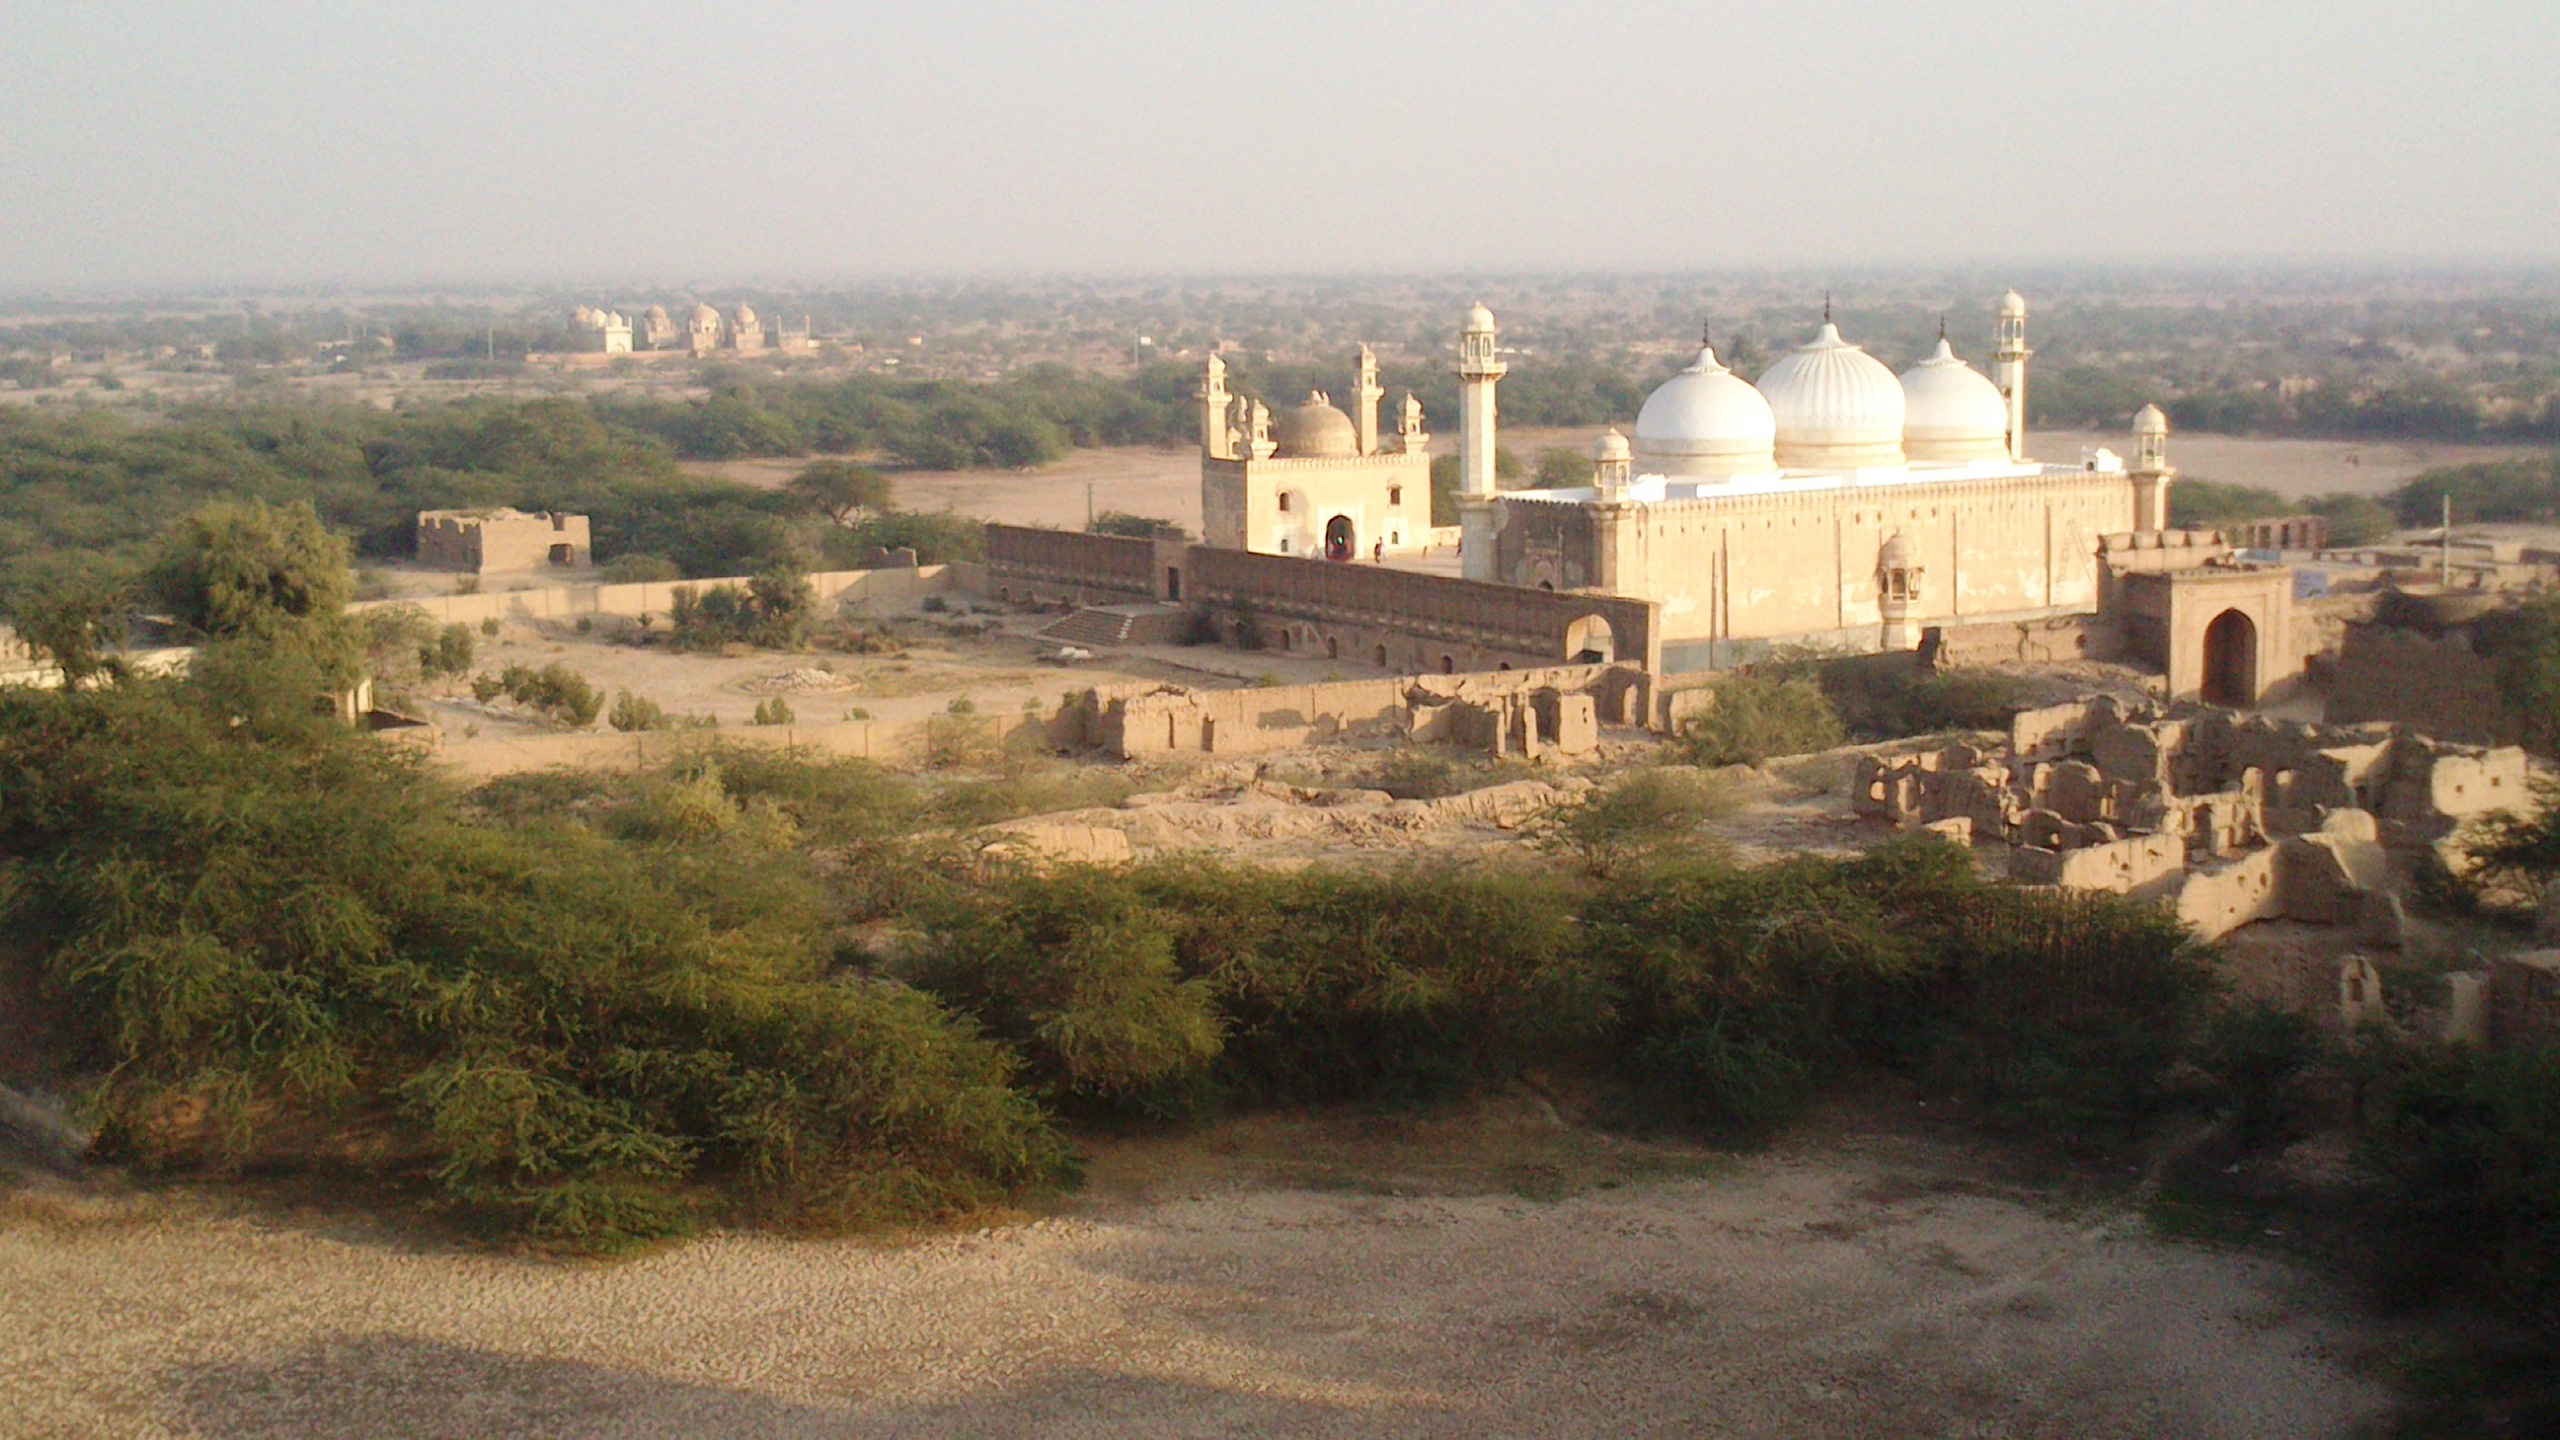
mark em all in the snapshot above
pixel 1946 400
pixel 1313 429
pixel 1832 393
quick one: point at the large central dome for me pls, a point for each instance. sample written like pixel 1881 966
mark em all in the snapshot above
pixel 1313 430
pixel 1705 423
pixel 1837 407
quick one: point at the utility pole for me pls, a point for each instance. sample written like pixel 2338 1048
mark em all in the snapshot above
pixel 1088 506
pixel 2444 545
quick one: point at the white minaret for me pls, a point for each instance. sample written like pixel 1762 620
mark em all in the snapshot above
pixel 1367 392
pixel 2151 471
pixel 1479 370
pixel 2009 354
pixel 1216 437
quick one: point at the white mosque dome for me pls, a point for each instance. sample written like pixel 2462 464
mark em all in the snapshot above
pixel 2013 305
pixel 1314 430
pixel 1951 411
pixel 1837 407
pixel 745 318
pixel 705 315
pixel 1705 423
pixel 2150 421
pixel 1479 319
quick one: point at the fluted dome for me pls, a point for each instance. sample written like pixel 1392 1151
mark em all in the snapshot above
pixel 1705 423
pixel 1611 446
pixel 1479 319
pixel 1951 411
pixel 2150 421
pixel 1314 430
pixel 1836 406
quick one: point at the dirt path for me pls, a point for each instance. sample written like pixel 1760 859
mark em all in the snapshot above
pixel 1859 1288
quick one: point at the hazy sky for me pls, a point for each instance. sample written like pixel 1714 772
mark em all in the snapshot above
pixel 260 141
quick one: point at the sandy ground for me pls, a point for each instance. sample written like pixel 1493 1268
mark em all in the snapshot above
pixel 1860 1285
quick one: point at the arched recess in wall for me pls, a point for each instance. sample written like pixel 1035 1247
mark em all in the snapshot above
pixel 1588 641
pixel 2231 660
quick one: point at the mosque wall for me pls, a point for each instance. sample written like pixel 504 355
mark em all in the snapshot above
pixel 1804 564
pixel 1282 506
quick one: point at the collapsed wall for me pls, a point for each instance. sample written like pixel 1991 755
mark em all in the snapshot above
pixel 1527 713
pixel 2232 818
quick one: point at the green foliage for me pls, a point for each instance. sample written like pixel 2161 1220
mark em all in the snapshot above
pixel 1633 821
pixel 1888 697
pixel 1757 716
pixel 1136 527
pixel 1414 773
pixel 2523 645
pixel 938 537
pixel 2254 1054
pixel 263 575
pixel 303 950
pixel 773 612
pixel 773 711
pixel 638 569
pixel 71 609
pixel 450 653
pixel 555 691
pixel 839 490
pixel 2466 1143
pixel 2513 491
pixel 2206 504
pixel 635 712
pixel 1561 467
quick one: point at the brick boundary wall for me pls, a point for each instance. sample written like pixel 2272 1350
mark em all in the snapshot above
pixel 1026 564
pixel 1474 619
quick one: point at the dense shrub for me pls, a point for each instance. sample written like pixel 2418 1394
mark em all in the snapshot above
pixel 1633 820
pixel 2466 1145
pixel 1757 716
pixel 555 691
pixel 773 611
pixel 293 947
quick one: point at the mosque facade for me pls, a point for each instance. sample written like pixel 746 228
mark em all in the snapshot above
pixel 1832 501
pixel 1313 480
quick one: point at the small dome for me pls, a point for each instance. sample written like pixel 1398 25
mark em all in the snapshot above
pixel 1479 319
pixel 705 315
pixel 1951 411
pixel 2150 421
pixel 1837 407
pixel 1705 423
pixel 1314 430
pixel 1611 446
pixel 744 318
pixel 582 316
pixel 655 314
pixel 1898 552
pixel 2013 305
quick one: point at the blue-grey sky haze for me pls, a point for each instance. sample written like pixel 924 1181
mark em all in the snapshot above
pixel 279 141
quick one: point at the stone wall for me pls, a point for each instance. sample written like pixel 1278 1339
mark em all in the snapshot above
pixel 1410 621
pixel 889 741
pixel 1028 565
pixel 1508 712
pixel 656 597
pixel 502 541
pixel 2434 682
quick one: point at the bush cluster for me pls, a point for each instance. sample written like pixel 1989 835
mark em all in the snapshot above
pixel 555 690
pixel 773 612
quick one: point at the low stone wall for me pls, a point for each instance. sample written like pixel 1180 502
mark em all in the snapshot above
pixel 656 597
pixel 2046 640
pixel 887 741
pixel 1528 711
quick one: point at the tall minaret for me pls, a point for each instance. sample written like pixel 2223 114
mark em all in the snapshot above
pixel 1217 440
pixel 2009 354
pixel 1479 370
pixel 2151 471
pixel 1364 409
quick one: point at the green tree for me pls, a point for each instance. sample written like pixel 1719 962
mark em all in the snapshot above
pixel 272 576
pixel 840 490
pixel 72 610
pixel 1561 467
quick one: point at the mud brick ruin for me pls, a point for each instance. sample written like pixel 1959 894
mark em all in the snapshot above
pixel 2232 818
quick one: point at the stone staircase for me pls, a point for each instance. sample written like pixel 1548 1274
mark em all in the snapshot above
pixel 1102 625
pixel 1091 627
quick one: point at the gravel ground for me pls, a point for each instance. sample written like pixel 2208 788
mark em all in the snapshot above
pixel 1840 1290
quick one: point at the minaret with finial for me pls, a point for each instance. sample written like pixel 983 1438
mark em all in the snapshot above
pixel 1480 369
pixel 2009 354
